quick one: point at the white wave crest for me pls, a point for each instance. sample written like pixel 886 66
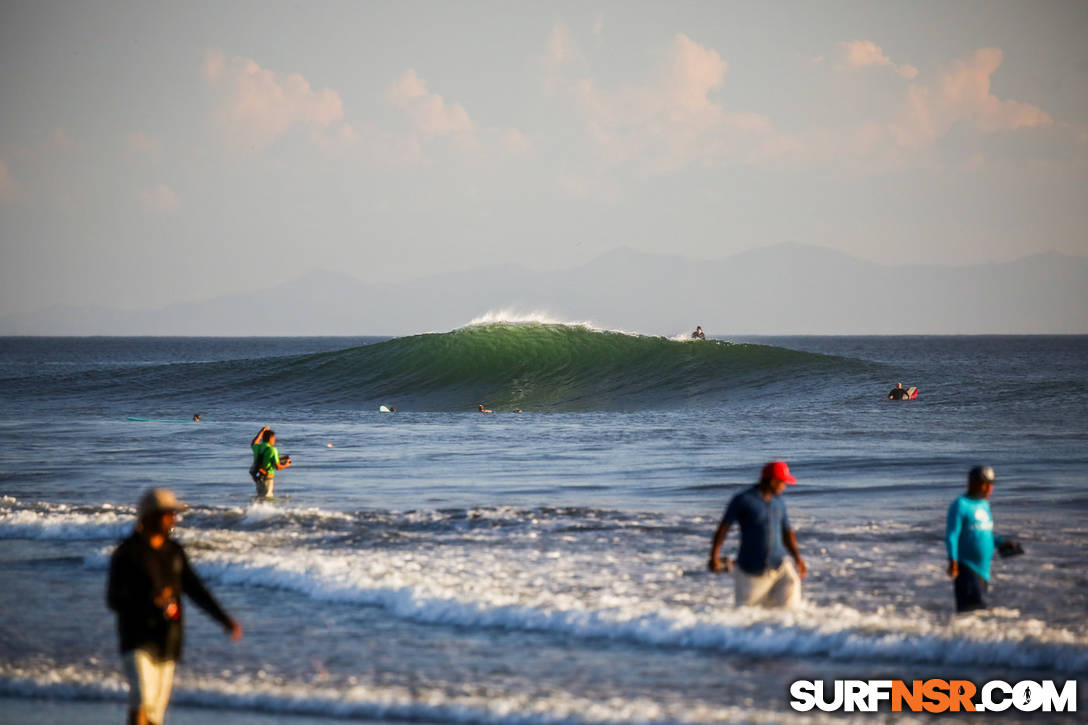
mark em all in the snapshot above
pixel 64 525
pixel 262 693
pixel 551 593
pixel 512 316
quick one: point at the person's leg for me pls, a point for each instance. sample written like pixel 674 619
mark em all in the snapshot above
pixel 161 684
pixel 262 482
pixel 135 664
pixel 969 588
pixel 750 589
pixel 786 590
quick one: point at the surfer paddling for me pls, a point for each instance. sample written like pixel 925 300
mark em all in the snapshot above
pixel 698 334
pixel 764 576
pixel 901 393
pixel 149 572
pixel 266 461
pixel 969 539
pixel 485 410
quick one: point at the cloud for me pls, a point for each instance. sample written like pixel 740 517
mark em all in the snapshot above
pixel 160 198
pixel 516 142
pixel 854 54
pixel 258 106
pixel 7 184
pixel 694 71
pixel 560 46
pixel 670 119
pixel 142 144
pixel 429 111
pixel 961 95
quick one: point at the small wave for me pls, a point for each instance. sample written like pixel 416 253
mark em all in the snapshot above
pixel 257 692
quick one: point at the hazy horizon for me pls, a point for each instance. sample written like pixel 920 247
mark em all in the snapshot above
pixel 153 154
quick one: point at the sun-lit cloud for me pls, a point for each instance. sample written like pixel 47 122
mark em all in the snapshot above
pixel 560 45
pixel 7 183
pixel 160 198
pixel 516 142
pixel 258 105
pixel 961 95
pixel 429 111
pixel 671 119
pixel 141 143
pixel 855 54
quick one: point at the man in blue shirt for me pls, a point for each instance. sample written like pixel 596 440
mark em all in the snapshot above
pixel 764 575
pixel 969 538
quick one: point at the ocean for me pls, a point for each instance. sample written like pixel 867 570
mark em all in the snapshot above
pixel 437 564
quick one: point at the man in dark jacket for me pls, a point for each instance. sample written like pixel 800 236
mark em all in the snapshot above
pixel 149 572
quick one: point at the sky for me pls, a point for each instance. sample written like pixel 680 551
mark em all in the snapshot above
pixel 153 153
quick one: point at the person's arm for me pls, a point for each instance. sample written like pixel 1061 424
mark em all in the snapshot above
pixel 277 463
pixel 715 563
pixel 952 538
pixel 117 586
pixel 790 540
pixel 194 588
pixel 257 438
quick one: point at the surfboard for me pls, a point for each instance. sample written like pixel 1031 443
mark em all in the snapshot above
pixel 383 409
pixel 912 392
pixel 167 420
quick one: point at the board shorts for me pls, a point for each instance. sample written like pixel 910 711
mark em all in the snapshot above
pixel 970 588
pixel 149 683
pixel 780 587
pixel 264 483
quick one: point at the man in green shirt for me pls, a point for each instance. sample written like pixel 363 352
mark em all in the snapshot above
pixel 266 461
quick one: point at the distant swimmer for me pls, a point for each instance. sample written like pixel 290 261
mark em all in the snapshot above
pixel 764 576
pixel 901 393
pixel 196 417
pixel 149 572
pixel 266 461
pixel 969 539
pixel 485 410
pixel 698 334
pixel 517 410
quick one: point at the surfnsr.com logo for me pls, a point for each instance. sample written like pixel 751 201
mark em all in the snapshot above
pixel 933 695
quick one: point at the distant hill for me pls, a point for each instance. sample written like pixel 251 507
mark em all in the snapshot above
pixel 785 289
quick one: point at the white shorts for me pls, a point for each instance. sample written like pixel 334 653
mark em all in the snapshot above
pixel 779 587
pixel 149 683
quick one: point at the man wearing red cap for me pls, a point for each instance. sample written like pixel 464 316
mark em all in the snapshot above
pixel 764 576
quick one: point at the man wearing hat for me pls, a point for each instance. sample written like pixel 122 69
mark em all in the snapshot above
pixel 764 576
pixel 969 539
pixel 149 572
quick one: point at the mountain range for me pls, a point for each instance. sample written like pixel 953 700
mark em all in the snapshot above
pixel 778 290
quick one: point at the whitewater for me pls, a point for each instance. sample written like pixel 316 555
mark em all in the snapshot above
pixel 441 565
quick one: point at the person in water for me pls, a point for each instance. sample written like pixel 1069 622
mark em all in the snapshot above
pixel 898 393
pixel 764 575
pixel 149 572
pixel 969 539
pixel 698 334
pixel 266 461
pixel 485 410
pixel 196 417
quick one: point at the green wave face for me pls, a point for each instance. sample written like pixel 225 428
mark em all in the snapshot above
pixel 540 367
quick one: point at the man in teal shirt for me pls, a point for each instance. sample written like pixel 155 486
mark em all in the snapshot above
pixel 266 461
pixel 969 538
